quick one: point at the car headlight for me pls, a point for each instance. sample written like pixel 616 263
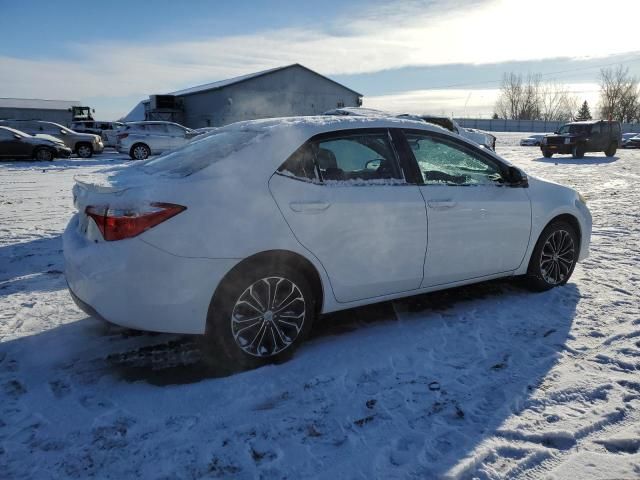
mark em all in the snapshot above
pixel 582 198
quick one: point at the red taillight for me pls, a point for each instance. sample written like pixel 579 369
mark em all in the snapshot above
pixel 118 224
pixel 122 135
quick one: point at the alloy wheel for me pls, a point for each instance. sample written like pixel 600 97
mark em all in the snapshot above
pixel 44 155
pixel 140 153
pixel 557 257
pixel 84 151
pixel 268 316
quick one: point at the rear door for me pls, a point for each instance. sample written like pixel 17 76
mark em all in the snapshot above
pixel 178 135
pixel 478 226
pixel 347 201
pixel 159 139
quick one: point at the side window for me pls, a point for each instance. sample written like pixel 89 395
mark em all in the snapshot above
pixel 300 165
pixel 157 128
pixel 444 162
pixel 358 157
pixel 176 130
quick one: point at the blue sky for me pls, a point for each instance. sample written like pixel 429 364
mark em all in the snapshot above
pixel 112 54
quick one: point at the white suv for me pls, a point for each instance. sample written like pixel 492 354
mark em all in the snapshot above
pixel 141 139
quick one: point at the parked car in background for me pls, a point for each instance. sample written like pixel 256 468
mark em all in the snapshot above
pixel 578 138
pixel 333 213
pixel 627 140
pixel 15 144
pixel 532 140
pixel 82 144
pixel 139 140
pixel 106 130
pixel 633 142
pixel 478 136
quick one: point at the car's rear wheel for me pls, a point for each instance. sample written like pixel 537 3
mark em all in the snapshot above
pixel 140 152
pixel 547 153
pixel 578 151
pixel 554 256
pixel 611 150
pixel 44 155
pixel 84 150
pixel 259 315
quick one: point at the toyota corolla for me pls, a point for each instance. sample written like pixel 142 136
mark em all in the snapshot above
pixel 246 235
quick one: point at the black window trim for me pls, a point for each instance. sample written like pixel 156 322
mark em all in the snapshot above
pixel 503 167
pixel 401 164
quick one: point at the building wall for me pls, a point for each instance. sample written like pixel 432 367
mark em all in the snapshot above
pixel 62 117
pixel 293 91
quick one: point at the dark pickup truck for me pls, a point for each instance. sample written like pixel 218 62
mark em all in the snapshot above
pixel 578 138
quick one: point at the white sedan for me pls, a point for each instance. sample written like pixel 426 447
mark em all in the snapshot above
pixel 248 234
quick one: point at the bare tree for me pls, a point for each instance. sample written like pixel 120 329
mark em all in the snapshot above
pixel 557 103
pixel 528 98
pixel 619 95
pixel 510 99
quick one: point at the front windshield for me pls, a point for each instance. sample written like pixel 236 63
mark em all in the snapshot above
pixel 575 129
pixel 62 127
pixel 16 132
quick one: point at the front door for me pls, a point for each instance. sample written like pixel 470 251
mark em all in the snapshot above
pixel 345 198
pixel 478 226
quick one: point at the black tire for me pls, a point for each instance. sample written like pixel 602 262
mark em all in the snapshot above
pixel 139 151
pixel 578 151
pixel 226 344
pixel 540 279
pixel 611 150
pixel 547 154
pixel 43 155
pixel 84 150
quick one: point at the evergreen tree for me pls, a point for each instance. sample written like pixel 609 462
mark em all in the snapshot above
pixel 584 113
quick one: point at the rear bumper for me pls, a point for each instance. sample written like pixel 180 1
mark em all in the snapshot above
pixel 133 284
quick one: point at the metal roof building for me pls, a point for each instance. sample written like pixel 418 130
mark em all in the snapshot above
pixel 277 92
pixel 37 109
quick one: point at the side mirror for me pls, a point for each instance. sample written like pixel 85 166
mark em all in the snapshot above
pixel 517 178
pixel 16 136
pixel 63 132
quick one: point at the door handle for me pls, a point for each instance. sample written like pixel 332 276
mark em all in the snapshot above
pixel 441 204
pixel 309 207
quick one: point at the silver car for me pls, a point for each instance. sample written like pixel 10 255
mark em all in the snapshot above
pixel 106 130
pixel 141 139
pixel 82 144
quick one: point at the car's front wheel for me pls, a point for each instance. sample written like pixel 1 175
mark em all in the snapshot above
pixel 611 150
pixel 44 155
pixel 578 151
pixel 84 150
pixel 259 315
pixel 140 152
pixel 554 256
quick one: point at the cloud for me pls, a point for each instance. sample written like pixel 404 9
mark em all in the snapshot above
pixel 391 37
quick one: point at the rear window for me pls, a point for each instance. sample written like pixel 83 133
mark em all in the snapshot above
pixel 201 153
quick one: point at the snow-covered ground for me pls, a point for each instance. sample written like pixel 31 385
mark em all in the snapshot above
pixel 488 381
